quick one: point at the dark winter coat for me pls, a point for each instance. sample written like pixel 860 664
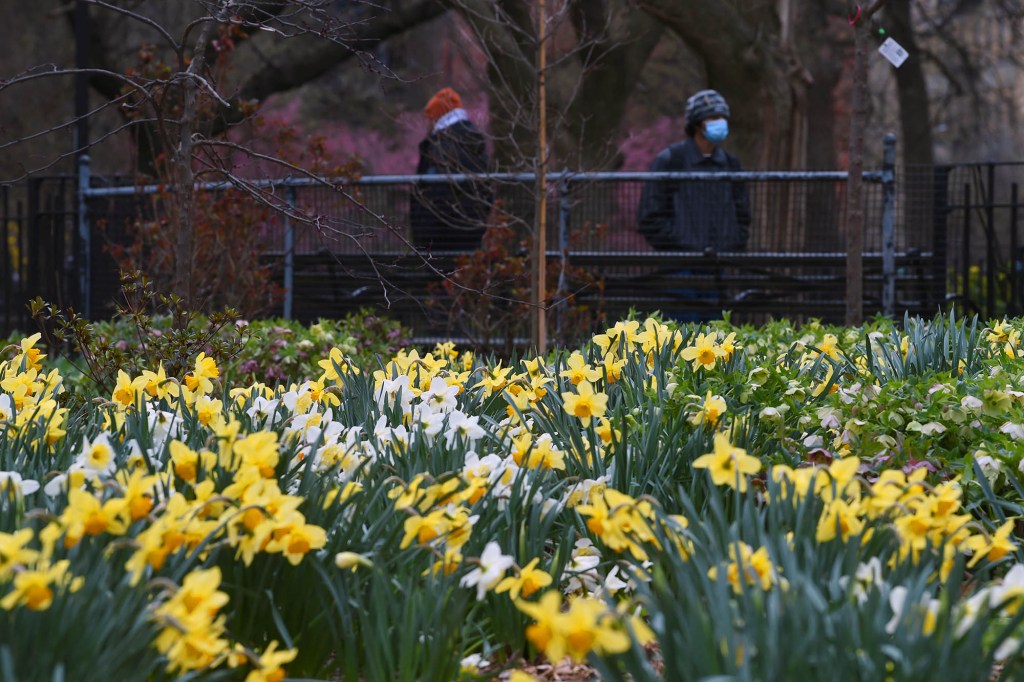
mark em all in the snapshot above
pixel 684 215
pixel 453 214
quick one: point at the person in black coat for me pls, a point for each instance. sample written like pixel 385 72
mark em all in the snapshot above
pixel 450 215
pixel 695 215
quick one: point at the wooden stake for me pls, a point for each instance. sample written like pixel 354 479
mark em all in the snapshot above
pixel 538 297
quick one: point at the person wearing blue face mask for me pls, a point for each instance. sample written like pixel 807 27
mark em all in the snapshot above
pixel 694 215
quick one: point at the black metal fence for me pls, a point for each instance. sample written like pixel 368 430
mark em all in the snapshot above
pixel 955 240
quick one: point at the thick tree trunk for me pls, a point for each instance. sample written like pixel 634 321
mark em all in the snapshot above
pixel 911 89
pixel 916 140
pixel 611 66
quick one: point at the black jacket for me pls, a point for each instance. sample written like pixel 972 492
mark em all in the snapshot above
pixel 451 215
pixel 690 215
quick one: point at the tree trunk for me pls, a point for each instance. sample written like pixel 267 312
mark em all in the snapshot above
pixel 610 70
pixel 854 202
pixel 915 127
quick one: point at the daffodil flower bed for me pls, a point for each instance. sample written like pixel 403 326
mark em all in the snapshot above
pixel 664 502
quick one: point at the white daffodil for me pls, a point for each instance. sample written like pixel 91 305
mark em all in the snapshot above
pixel 97 458
pixel 12 479
pixel 490 569
pixel 439 396
pixel 461 425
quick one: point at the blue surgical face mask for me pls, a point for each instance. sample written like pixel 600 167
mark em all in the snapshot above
pixel 716 130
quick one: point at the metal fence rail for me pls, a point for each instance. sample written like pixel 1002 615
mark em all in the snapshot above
pixel 953 237
pixel 792 212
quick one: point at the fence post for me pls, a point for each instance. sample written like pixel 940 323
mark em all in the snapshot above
pixel 990 245
pixel 1013 305
pixel 289 252
pixel 564 221
pixel 889 225
pixel 84 237
pixel 943 273
pixel 966 248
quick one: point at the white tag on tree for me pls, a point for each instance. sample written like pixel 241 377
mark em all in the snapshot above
pixel 894 52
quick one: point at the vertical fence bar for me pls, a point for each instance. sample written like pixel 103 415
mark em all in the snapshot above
pixel 889 226
pixel 6 267
pixel 58 226
pixel 941 271
pixel 965 283
pixel 1015 260
pixel 19 261
pixel 31 240
pixel 84 238
pixel 564 222
pixel 990 245
pixel 289 253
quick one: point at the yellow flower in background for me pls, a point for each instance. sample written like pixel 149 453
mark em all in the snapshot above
pixel 704 352
pixel 585 404
pixel 88 515
pixel 728 465
pixel 547 633
pixel 622 523
pixel 611 368
pixel 34 588
pixel 577 370
pixel 124 391
pixel 334 366
pixel 260 450
pixel 13 551
pixel 137 492
pixel 520 676
pixel 535 367
pixel 187 463
pixel 587 626
pixel 200 379
pixel 830 371
pixel 839 519
pixel 207 410
pixel 155 385
pixel 830 346
pixel 992 547
pixel 191 638
pixel 352 560
pixel 999 333
pixel 606 432
pixel 447 565
pixel 299 541
pixel 749 567
pixel 494 379
pixel 711 410
pixel 619 339
pixel 30 355
pixel 729 345
pixel 590 626
pixel 528 581
pixel 425 529
pixel 268 667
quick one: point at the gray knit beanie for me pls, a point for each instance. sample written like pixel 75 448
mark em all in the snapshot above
pixel 704 105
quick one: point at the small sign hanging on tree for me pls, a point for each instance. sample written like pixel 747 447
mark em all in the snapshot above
pixel 894 52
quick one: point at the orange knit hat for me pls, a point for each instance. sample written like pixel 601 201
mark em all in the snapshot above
pixel 441 103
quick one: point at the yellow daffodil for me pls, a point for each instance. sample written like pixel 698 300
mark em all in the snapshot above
pixel 526 582
pixel 704 352
pixel 711 410
pixel 585 404
pixel 728 465
pixel 577 370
